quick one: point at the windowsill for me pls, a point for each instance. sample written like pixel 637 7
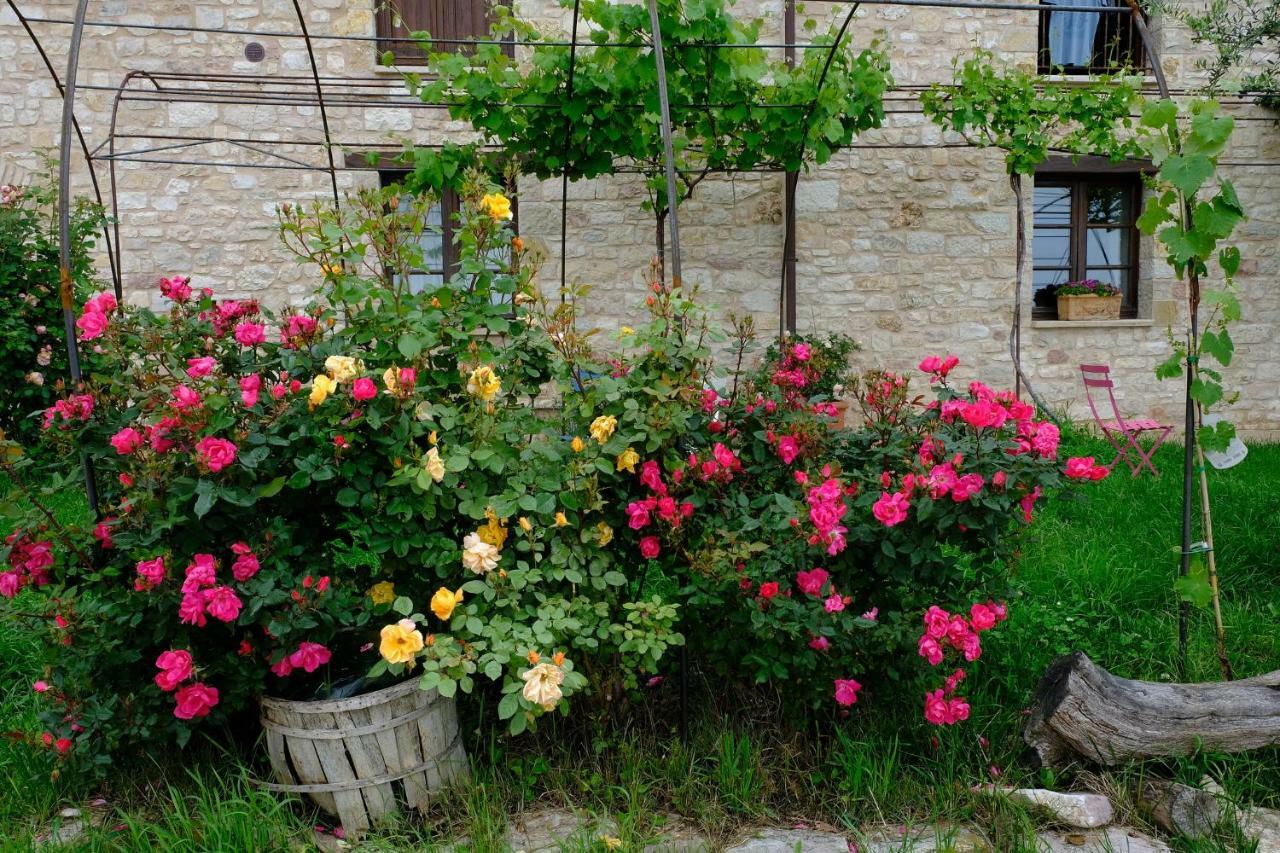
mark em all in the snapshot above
pixel 1087 79
pixel 399 70
pixel 1133 323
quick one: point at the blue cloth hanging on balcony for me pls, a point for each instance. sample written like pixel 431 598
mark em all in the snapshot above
pixel 1071 33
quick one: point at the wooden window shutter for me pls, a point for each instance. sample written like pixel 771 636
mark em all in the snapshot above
pixel 444 19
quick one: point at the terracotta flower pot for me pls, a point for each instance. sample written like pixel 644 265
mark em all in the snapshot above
pixel 1086 306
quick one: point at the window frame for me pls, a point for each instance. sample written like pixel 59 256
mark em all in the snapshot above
pixel 449 205
pixel 1079 226
pixel 1132 55
pixel 409 54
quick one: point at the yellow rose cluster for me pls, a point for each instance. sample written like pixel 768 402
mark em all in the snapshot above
pixel 484 384
pixel 341 368
pixel 496 205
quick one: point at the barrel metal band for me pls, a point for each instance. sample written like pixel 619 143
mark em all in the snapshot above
pixel 338 734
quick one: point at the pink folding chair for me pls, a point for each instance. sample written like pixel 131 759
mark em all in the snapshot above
pixel 1121 434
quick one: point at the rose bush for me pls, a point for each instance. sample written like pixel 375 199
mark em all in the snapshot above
pixel 33 355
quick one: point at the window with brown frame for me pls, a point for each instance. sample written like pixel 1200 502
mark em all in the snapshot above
pixel 1085 43
pixel 450 21
pixel 1083 227
pixel 439 253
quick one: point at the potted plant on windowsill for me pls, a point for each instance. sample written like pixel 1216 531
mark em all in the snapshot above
pixel 1088 299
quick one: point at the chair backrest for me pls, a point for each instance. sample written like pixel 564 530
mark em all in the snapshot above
pixel 1099 376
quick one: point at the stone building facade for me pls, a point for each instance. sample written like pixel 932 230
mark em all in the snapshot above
pixel 904 241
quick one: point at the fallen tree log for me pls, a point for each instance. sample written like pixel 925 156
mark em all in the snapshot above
pixel 1081 711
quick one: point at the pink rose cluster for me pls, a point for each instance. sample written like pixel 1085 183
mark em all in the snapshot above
pixel 29 563
pixel 176 288
pixel 660 503
pixel 96 317
pixel 236 316
pixel 794 373
pixel 191 701
pixel 826 509
pixel 64 413
pixel 308 657
pixel 946 630
pixel 1083 468
pixel 938 366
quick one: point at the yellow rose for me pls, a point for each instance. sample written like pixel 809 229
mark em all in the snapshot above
pixel 542 685
pixel 494 531
pixel 321 387
pixel 389 379
pixel 343 368
pixel 383 592
pixel 577 444
pixel 525 524
pixel 434 465
pixel 400 642
pixel 484 383
pixel 561 521
pixel 496 205
pixel 604 534
pixel 443 602
pixel 627 460
pixel 603 427
pixel 627 330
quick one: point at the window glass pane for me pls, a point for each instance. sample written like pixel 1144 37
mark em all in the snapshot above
pixel 1117 278
pixel 1108 246
pixel 1041 281
pixel 1051 247
pixel 1052 206
pixel 1110 204
pixel 420 281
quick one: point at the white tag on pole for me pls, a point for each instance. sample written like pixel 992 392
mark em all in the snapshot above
pixel 1229 458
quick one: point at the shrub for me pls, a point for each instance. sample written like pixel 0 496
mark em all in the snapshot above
pixel 33 354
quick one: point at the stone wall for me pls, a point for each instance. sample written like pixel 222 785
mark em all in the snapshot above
pixel 910 249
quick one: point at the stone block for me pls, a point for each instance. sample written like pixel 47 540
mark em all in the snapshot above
pixel 1087 811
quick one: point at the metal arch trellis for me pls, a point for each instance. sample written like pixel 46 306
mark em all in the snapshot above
pixel 80 22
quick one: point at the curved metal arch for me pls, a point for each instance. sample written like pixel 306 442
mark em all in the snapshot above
pixel 324 114
pixel 111 151
pixel 84 148
pixel 568 130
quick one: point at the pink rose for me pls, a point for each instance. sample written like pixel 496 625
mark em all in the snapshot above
pixel 966 487
pixel 929 649
pixel 185 398
pixel 222 603
pixel 282 668
pixel 10 583
pixel 936 621
pixel 834 603
pixel 215 453
pixel 788 449
pixel 891 509
pixel 102 532
pixel 638 515
pixel 810 582
pixel 245 567
pixel 1078 467
pixel 983 414
pixel 175 667
pixel 177 288
pixel 999 479
pixel 92 324
pixel 152 572
pixel 195 700
pixel 201 573
pixel 971 646
pixel 1028 502
pixel 250 386
pixel 819 644
pixel 935 708
pixel 198 368
pixel 310 657
pixel 649 547
pixel 126 441
pixel 651 476
pixel 953 681
pixel 957 630
pixel 250 334
pixel 871 615
pixel 768 590
pixel 364 389
pixel 40 687
pixel 191 609
pixel 982 617
pixel 1000 609
pixel 1045 440
pixel 847 691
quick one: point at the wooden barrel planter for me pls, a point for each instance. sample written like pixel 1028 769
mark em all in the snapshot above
pixel 357 757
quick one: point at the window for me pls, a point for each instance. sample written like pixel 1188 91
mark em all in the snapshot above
pixel 1085 43
pixel 439 253
pixel 1083 227
pixel 443 19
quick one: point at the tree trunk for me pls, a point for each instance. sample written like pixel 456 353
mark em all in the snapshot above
pixel 1081 711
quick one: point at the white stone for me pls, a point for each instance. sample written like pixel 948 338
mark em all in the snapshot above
pixel 553 829
pixel 385 118
pixel 938 839
pixel 1088 811
pixel 1113 839
pixel 790 840
pixel 817 195
pixel 192 114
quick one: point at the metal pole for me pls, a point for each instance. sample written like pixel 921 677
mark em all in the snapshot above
pixel 564 177
pixel 668 153
pixel 66 291
pixel 787 319
pixel 324 115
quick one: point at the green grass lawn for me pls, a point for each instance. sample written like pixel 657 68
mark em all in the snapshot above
pixel 1095 573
